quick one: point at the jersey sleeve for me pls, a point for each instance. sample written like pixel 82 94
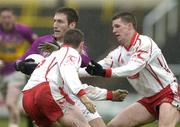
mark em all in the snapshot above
pixel 137 61
pixel 82 73
pixel 108 61
pixel 95 93
pixel 68 70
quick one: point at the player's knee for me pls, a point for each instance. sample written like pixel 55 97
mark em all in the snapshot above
pixel 9 106
pixel 12 108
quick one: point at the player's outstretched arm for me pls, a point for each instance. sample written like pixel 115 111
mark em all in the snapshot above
pixel 99 94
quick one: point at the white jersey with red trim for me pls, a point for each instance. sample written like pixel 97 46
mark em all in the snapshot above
pixel 60 70
pixel 96 93
pixel 142 63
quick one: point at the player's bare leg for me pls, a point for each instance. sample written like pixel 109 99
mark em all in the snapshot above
pixel 171 119
pixel 12 105
pixel 98 122
pixel 73 117
pixel 134 115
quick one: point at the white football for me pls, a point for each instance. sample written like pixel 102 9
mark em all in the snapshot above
pixel 36 57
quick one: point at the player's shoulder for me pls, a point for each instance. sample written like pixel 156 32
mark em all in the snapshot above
pixel 70 50
pixel 45 38
pixel 67 54
pixel 23 30
pixel 22 27
pixel 144 40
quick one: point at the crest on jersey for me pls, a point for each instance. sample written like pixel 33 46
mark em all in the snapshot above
pixel 71 60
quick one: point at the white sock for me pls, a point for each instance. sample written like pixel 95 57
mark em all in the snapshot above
pixel 13 125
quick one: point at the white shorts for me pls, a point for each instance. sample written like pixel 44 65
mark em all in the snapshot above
pixel 13 84
pixel 88 115
pixel 17 79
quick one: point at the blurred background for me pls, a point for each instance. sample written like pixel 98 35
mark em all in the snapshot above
pixel 159 19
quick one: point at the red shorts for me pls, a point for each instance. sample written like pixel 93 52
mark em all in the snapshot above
pixel 40 106
pixel 152 103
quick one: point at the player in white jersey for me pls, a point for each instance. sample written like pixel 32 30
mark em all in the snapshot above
pixel 140 60
pixel 94 93
pixel 46 95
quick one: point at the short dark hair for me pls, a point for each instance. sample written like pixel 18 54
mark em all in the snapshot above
pixel 126 17
pixel 72 14
pixel 7 9
pixel 73 37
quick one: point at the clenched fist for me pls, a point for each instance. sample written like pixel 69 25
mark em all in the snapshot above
pixel 119 95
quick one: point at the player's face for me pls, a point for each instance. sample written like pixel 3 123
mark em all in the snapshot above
pixel 120 30
pixel 7 20
pixel 60 25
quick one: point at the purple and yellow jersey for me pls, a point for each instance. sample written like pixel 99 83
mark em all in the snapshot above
pixel 34 47
pixel 50 38
pixel 13 44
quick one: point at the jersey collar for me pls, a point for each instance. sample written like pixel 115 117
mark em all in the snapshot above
pixel 133 40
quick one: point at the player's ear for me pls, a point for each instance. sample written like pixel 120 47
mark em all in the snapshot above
pixel 72 25
pixel 130 25
pixel 81 46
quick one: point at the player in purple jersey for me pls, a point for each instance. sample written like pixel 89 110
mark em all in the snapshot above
pixel 64 19
pixel 14 40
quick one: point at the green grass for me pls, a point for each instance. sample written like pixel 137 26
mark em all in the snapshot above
pixel 4 123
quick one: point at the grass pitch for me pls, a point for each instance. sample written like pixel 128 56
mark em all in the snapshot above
pixel 4 123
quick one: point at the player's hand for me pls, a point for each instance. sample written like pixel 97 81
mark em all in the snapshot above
pixel 48 47
pixel 119 95
pixel 88 103
pixel 26 66
pixel 96 69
